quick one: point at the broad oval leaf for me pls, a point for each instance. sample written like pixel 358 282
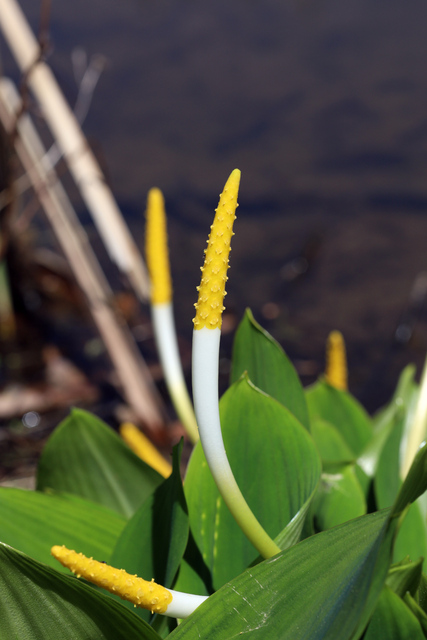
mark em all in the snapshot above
pixel 412 537
pixel 38 602
pixel 339 498
pixel 418 612
pixel 340 409
pixel 318 589
pixel 396 413
pixel 33 522
pixel 85 457
pixel 153 542
pixel 276 466
pixel 330 443
pixel 393 620
pixel 323 588
pixel 256 352
pixel 405 576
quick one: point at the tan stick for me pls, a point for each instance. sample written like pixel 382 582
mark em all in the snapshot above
pixel 72 143
pixel 133 374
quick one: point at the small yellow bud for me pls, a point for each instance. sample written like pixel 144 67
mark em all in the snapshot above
pixel 142 593
pixel 336 361
pixel 145 449
pixel 156 248
pixel 209 306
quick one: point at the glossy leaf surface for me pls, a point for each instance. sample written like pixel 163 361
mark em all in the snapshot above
pixel 37 602
pixel 393 620
pixel 340 409
pixel 276 466
pixel 85 457
pixel 412 537
pixel 154 540
pixel 33 522
pixel 293 596
pixel 339 498
pixel 256 352
pixel 404 577
pixel 330 443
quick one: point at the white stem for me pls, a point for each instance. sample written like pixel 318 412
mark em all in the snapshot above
pixel 418 429
pixel 183 604
pixel 167 346
pixel 205 395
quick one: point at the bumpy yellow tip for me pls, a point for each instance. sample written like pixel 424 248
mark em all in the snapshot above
pixel 209 306
pixel 336 361
pixel 156 248
pixel 145 449
pixel 147 595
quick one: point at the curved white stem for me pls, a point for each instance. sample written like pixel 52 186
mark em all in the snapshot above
pixel 418 429
pixel 183 604
pixel 205 395
pixel 167 346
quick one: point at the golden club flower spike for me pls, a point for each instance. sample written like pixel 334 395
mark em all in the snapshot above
pixel 156 246
pixel 206 338
pixel 336 361
pixel 162 312
pixel 144 594
pixel 144 448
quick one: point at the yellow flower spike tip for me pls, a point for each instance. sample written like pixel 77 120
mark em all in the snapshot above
pixel 144 448
pixel 336 361
pixel 156 247
pixel 206 339
pixel 162 312
pixel 209 306
pixel 144 594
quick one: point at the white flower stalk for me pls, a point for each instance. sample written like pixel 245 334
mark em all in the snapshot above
pixel 142 593
pixel 206 338
pixel 418 429
pixel 162 312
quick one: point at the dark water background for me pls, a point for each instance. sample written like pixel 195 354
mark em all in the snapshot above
pixel 323 107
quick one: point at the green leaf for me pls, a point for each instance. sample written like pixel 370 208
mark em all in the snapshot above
pixel 33 522
pixel 194 576
pixel 154 540
pixel 390 418
pixel 38 602
pixel 393 620
pixel 85 457
pixel 412 536
pixel 341 410
pixel 415 483
pixel 339 498
pixel 405 577
pixel 256 352
pixel 276 466
pixel 387 478
pixel 317 589
pixel 323 588
pixel 330 443
pixel 422 593
pixel 417 611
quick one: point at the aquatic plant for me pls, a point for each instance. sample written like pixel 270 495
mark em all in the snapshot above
pixel 331 498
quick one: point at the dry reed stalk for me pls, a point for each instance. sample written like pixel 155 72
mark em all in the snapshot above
pixel 133 374
pixel 74 147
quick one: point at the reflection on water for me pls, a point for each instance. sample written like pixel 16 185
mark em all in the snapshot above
pixel 323 108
